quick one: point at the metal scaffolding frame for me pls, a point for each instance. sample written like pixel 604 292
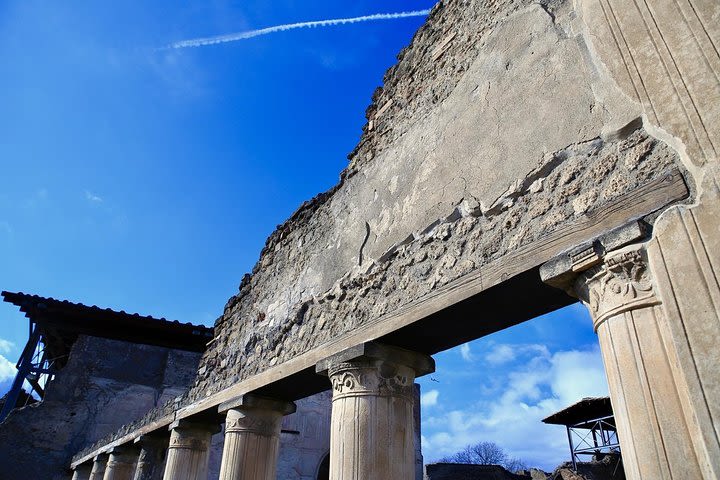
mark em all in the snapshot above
pixel 594 437
pixel 34 366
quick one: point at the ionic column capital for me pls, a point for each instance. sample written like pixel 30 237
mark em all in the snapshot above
pixel 123 453
pixel 82 472
pixel 192 434
pixel 373 393
pixel 610 275
pixel 255 414
pixel 152 453
pixel 622 282
pixel 189 448
pixel 373 369
pixel 157 439
pixel 98 467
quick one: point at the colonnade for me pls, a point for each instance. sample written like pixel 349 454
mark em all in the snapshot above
pixel 655 305
pixel 372 428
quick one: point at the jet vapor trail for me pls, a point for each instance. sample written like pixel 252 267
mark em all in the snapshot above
pixel 234 37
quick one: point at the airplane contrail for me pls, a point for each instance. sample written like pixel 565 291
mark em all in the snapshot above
pixel 234 37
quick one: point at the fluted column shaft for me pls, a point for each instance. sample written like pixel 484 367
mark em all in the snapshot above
pixel 151 460
pixel 640 360
pixel 252 438
pixel 121 464
pixel 98 468
pixel 189 450
pixel 82 472
pixel 684 255
pixel 372 412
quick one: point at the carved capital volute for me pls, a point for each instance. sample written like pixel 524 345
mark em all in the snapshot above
pixel 610 274
pixel 622 282
pixel 373 369
pixel 376 378
pixel 265 423
pixel 255 414
pixel 192 435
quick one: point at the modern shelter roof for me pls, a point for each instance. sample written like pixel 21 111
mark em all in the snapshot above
pixel 587 409
pixel 62 321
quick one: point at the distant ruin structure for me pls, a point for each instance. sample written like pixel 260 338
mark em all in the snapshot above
pixel 521 155
pixel 591 430
pixel 108 368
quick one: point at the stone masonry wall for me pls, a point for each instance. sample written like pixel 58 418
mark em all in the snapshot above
pixel 494 127
pixel 105 384
pixel 572 182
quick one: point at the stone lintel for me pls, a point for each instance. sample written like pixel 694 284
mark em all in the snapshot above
pixel 561 271
pixel 422 364
pixel 257 402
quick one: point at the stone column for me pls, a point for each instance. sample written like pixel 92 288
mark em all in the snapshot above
pixel 372 425
pixel 252 437
pixel 121 464
pixel 189 450
pixel 684 255
pixel 98 468
pixel 82 472
pixel 151 460
pixel 619 290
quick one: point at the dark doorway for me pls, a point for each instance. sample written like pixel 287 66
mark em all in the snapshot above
pixel 324 470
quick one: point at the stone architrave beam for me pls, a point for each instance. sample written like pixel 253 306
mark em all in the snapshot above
pixel 372 425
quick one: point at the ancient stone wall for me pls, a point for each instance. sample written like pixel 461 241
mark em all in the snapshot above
pixel 452 471
pixel 105 384
pixel 496 127
pixel 305 440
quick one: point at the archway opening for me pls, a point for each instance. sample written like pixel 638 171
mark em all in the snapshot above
pixel 324 469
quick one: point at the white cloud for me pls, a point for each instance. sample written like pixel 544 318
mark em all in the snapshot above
pixel 511 414
pixel 578 374
pixel 466 353
pixel 7 369
pixel 91 197
pixel 500 354
pixel 504 353
pixel 5 346
pixel 429 398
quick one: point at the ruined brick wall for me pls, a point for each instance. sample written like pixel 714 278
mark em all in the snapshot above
pixel 495 127
pixel 105 384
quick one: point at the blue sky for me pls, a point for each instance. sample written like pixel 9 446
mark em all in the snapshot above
pixel 147 180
